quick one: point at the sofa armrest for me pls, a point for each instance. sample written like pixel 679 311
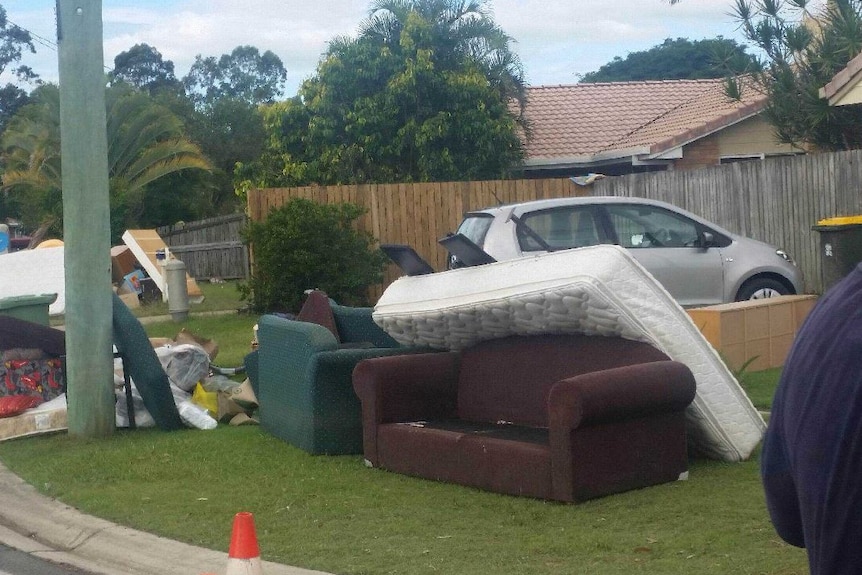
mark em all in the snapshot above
pixel 620 393
pixel 606 396
pixel 405 388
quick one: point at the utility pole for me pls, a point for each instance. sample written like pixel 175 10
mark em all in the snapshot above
pixel 86 219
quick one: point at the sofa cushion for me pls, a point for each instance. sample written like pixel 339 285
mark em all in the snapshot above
pixel 509 379
pixel 317 309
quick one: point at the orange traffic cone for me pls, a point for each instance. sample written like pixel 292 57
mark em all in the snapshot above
pixel 244 553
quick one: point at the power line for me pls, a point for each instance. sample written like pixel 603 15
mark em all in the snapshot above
pixel 46 42
pixel 39 39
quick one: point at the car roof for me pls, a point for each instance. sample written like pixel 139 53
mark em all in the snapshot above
pixel 572 201
pixel 521 208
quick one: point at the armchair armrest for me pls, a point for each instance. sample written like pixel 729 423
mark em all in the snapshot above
pixel 404 388
pixel 275 334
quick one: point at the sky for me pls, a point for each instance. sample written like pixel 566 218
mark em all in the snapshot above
pixel 557 40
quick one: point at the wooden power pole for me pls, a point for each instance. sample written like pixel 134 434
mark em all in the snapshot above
pixel 86 219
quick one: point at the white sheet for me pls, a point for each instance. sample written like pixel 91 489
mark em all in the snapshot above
pixel 599 290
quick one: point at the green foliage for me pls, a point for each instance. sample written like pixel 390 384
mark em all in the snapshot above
pixel 244 74
pixel 143 67
pixel 421 95
pixel 145 143
pixel 804 50
pixel 679 59
pixel 305 245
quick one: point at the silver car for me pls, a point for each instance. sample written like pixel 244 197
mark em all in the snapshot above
pixel 698 262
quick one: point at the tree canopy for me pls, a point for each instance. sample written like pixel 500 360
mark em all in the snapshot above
pixel 143 67
pixel 145 143
pixel 244 74
pixel 803 52
pixel 14 42
pixel 679 59
pixel 422 94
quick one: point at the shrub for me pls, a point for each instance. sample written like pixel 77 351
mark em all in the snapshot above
pixel 304 245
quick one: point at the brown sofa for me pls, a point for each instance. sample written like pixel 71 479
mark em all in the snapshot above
pixel 565 417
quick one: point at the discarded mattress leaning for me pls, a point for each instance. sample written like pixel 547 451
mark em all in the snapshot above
pixel 598 290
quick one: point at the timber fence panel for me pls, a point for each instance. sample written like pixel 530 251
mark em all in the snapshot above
pixel 211 248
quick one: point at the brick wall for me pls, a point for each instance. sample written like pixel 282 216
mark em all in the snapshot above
pixel 699 154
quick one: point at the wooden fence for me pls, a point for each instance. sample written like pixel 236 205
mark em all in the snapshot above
pixel 210 248
pixel 776 200
pixel 415 214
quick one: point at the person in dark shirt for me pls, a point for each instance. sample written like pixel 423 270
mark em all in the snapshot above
pixel 811 464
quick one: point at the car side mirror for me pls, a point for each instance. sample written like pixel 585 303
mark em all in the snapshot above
pixel 706 240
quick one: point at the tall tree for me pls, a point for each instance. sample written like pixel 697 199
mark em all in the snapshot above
pixel 804 49
pixel 145 143
pixel 458 30
pixel 143 67
pixel 408 100
pixel 14 42
pixel 679 59
pixel 244 74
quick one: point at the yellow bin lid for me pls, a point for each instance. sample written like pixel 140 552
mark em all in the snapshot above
pixel 840 221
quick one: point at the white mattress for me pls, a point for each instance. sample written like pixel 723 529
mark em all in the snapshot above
pixel 599 290
pixel 35 272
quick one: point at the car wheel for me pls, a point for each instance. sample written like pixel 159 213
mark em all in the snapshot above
pixel 761 288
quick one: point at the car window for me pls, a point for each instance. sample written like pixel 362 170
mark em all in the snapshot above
pixel 475 227
pixel 560 228
pixel 642 226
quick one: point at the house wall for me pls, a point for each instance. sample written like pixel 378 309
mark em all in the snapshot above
pixel 751 137
pixel 699 154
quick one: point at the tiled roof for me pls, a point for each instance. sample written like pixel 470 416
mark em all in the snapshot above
pixel 591 122
pixel 842 81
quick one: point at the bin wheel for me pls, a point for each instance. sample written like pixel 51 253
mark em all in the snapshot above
pixel 761 288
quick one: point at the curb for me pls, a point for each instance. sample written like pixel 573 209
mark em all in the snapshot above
pixel 56 532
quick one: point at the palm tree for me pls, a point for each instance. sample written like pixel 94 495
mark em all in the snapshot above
pixel 145 143
pixel 459 29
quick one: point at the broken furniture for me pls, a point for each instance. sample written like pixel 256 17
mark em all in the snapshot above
pixel 564 417
pixel 152 253
pixel 141 363
pixel 303 374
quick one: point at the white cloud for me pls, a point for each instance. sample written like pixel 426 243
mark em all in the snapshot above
pixel 556 39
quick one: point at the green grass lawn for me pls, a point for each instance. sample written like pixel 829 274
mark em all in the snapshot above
pixel 336 515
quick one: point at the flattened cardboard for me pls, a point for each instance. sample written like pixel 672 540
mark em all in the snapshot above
pixel 144 244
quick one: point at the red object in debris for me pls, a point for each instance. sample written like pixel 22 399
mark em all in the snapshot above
pixel 11 405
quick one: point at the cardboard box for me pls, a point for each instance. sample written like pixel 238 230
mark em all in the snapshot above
pixel 759 331
pixel 122 263
pixel 130 299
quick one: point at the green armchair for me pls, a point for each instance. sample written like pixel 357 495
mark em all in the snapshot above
pixel 304 378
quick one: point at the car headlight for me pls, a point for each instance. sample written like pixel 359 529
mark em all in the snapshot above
pixel 785 255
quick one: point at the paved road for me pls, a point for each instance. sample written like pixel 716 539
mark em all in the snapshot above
pixel 14 562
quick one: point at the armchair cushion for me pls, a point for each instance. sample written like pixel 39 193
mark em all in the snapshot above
pixel 316 309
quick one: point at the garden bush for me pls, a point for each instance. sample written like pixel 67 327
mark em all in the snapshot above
pixel 305 245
